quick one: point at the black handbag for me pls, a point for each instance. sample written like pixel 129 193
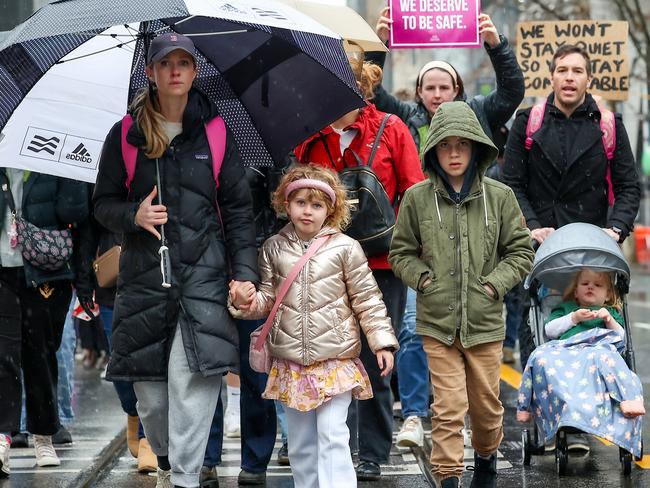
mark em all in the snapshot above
pixel 49 250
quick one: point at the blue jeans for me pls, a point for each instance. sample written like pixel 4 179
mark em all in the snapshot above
pixel 215 441
pixel 65 358
pixel 124 389
pixel 282 420
pixel 411 365
pixel 258 419
pixel 514 311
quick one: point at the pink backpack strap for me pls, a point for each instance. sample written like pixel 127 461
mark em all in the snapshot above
pixel 535 120
pixel 608 128
pixel 129 151
pixel 215 131
pixel 284 288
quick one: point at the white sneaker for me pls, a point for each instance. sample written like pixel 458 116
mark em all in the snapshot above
pixel 4 456
pixel 232 423
pixel 45 453
pixel 164 479
pixel 411 433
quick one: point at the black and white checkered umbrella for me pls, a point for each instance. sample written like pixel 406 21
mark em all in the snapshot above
pixel 68 73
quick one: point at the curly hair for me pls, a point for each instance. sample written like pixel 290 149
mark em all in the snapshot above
pixel 613 301
pixel 338 214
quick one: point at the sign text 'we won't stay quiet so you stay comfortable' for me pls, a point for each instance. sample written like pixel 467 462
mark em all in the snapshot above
pixel 604 41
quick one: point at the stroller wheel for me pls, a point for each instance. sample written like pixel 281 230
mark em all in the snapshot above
pixel 626 461
pixel 525 447
pixel 561 453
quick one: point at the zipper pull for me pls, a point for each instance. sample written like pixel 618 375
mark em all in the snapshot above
pixel 12 232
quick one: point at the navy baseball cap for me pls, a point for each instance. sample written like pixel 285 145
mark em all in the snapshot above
pixel 163 44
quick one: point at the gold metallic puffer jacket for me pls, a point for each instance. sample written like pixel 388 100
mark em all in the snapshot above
pixel 334 293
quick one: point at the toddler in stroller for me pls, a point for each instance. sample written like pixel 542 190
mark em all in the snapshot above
pixel 581 381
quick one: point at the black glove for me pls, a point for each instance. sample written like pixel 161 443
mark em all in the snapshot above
pixel 87 304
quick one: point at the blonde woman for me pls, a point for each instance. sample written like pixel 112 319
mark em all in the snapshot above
pixel 175 343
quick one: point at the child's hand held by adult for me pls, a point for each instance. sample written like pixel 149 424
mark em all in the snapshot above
pixel 150 215
pixel 385 361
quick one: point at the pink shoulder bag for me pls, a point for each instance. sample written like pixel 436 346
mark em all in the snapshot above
pixel 258 355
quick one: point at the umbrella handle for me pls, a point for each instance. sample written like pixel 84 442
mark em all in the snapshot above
pixel 165 266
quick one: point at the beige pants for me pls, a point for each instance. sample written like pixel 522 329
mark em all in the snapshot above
pixel 463 381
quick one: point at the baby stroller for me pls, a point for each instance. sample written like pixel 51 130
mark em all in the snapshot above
pixel 558 258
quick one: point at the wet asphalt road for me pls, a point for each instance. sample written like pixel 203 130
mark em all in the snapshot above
pixel 100 421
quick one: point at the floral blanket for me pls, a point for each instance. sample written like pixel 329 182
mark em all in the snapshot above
pixel 579 382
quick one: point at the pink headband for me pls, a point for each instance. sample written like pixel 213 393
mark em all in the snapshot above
pixel 310 183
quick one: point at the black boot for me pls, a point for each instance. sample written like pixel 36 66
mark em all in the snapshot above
pixel 485 472
pixel 451 482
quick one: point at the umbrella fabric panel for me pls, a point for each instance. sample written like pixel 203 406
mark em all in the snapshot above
pixel 70 16
pixel 22 65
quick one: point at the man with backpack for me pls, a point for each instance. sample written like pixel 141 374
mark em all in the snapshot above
pixel 561 155
pixel 569 160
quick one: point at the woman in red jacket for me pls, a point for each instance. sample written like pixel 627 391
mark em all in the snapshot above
pixel 397 166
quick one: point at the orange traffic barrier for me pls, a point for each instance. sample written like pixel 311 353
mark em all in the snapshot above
pixel 642 244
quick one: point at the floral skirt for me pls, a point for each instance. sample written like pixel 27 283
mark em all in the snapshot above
pixel 304 388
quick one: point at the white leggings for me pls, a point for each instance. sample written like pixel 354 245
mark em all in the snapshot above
pixel 318 445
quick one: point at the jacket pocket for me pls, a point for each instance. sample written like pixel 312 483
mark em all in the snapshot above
pixel 275 328
pixel 336 324
pixel 490 240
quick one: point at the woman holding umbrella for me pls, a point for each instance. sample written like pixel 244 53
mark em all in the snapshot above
pixel 172 334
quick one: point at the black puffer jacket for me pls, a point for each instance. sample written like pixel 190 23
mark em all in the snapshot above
pixel 492 111
pixel 562 178
pixel 51 202
pixel 204 255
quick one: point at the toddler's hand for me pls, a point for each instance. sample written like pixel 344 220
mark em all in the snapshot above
pixel 582 315
pixel 385 361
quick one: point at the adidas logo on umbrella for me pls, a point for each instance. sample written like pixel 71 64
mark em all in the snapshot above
pixel 80 153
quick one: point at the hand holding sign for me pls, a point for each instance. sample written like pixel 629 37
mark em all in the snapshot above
pixel 488 31
pixel 384 23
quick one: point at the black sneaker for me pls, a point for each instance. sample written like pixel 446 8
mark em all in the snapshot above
pixel 485 472
pixel 368 471
pixel 248 478
pixel 209 477
pixel 19 439
pixel 62 437
pixel 283 455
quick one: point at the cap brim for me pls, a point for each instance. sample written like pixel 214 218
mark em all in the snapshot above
pixel 165 51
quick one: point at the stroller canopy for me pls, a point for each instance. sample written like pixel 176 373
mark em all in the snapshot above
pixel 571 248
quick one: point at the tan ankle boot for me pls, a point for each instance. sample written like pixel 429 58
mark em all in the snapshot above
pixel 132 440
pixel 147 461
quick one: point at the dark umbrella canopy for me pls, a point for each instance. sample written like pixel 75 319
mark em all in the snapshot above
pixel 274 82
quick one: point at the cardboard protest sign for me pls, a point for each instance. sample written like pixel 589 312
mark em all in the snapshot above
pixel 604 41
pixel 434 23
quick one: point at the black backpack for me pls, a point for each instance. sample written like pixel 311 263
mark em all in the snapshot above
pixel 373 214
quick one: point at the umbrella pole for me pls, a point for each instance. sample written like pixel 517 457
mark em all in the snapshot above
pixel 165 263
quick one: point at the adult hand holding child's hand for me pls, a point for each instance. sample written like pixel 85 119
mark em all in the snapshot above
pixel 242 295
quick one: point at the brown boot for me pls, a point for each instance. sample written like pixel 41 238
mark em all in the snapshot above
pixel 132 440
pixel 147 461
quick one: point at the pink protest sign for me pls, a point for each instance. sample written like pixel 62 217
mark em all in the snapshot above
pixel 434 23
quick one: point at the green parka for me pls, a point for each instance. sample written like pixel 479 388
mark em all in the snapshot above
pixel 460 247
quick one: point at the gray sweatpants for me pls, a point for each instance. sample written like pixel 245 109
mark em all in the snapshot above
pixel 177 415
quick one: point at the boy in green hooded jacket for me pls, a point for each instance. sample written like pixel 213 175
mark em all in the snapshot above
pixel 462 243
